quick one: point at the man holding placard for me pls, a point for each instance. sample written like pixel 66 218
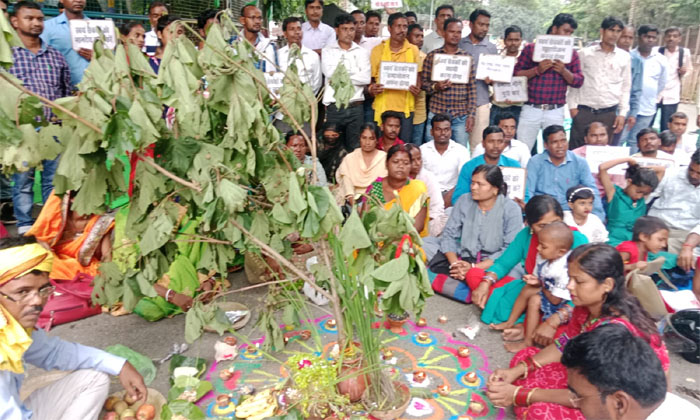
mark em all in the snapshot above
pixel 436 39
pixel 605 93
pixel 449 77
pixel 476 44
pixel 395 68
pixel 57 34
pixel 512 39
pixel 548 79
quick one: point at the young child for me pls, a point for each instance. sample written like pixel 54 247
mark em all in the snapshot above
pixel 650 234
pixel 626 205
pixel 580 200
pixel 545 292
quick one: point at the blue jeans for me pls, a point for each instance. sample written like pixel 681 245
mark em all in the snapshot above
pixel 23 195
pixel 643 121
pixel 459 129
pixel 418 133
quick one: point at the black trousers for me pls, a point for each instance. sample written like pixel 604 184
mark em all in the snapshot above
pixel 349 120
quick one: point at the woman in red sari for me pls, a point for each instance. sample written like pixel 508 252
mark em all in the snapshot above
pixel 535 383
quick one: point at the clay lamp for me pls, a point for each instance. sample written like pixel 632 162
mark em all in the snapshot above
pixel 419 376
pixel 331 323
pixel 443 389
pixel 471 377
pixel 442 319
pixel 422 322
pixel 226 374
pixel 423 337
pixel 305 335
pixel 463 352
pixel 387 354
pixel 223 400
pixel 464 417
pixel 476 407
pixel 231 341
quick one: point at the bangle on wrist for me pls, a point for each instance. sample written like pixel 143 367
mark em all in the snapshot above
pixel 167 295
pixel 521 397
pixel 515 394
pixel 529 396
pixel 524 375
pixel 687 245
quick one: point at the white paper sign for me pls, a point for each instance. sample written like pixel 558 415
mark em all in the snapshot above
pixel 496 67
pixel 515 178
pixel 553 47
pixel 595 155
pixel 274 82
pixel 83 33
pixel 381 4
pixel 455 68
pixel 515 91
pixel 646 162
pixel 398 76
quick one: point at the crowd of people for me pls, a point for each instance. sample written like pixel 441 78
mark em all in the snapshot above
pixel 556 256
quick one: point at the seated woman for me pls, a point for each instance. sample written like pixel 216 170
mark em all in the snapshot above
pixel 331 151
pixel 361 166
pixel 497 297
pixel 297 144
pixel 79 242
pixel 436 211
pixel 412 194
pixel 536 383
pixel 481 226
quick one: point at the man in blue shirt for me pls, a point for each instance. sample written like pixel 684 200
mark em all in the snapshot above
pixel 494 143
pixel 24 290
pixel 57 34
pixel 625 42
pixel 557 169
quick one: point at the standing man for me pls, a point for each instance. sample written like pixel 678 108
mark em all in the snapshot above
pixel 373 23
pixel 625 43
pixel 360 38
pixel 316 33
pixel 251 20
pixel 654 76
pixel 605 93
pixel 395 49
pixel 308 65
pixel 436 39
pixel 57 34
pixel 356 62
pixel 155 11
pixel 415 37
pixel 476 44
pixel 44 71
pixel 680 64
pixel 411 17
pixel 512 40
pixel 458 101
pixel 371 39
pixel 547 84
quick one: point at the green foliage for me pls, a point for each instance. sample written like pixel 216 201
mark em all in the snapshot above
pixel 342 86
pixel 315 378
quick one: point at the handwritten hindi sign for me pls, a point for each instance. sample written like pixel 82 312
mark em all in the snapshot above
pixel 645 162
pixel 274 82
pixel 595 155
pixel 515 91
pixel 455 68
pixel 515 179
pixel 553 47
pixel 398 76
pixel 83 33
pixel 381 4
pixel 496 67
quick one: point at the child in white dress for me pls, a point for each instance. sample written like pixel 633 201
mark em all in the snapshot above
pixel 580 200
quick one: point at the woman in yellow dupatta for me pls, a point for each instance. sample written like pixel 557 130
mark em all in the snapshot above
pixel 79 242
pixel 412 194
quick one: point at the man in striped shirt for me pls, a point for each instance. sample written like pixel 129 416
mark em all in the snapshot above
pixel 44 71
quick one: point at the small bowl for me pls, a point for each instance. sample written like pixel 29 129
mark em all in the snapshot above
pixel 423 337
pixel 471 377
pixel 442 319
pixel 422 322
pixel 419 376
pixel 463 352
pixel 331 323
pixel 443 389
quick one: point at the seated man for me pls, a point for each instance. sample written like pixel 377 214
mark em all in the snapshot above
pixel 391 126
pixel 678 125
pixel 649 142
pixel 24 290
pixel 444 157
pixel 596 134
pixel 493 145
pixel 689 257
pixel 557 169
pixel 668 145
pixel 79 242
pixel 614 374
pixel 514 149
pixel 678 202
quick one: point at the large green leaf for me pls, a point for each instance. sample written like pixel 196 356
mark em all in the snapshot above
pixel 354 236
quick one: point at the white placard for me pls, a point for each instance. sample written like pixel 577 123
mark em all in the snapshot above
pixel 83 33
pixel 515 179
pixel 553 47
pixel 398 76
pixel 496 67
pixel 646 162
pixel 381 4
pixel 455 68
pixel 595 155
pixel 515 91
pixel 274 82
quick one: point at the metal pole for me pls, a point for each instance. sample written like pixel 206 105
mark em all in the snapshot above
pixel 432 12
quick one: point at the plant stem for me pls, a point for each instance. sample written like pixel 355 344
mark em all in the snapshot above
pixel 342 338
pixel 148 161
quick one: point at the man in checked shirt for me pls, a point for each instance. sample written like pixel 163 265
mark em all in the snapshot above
pixel 44 71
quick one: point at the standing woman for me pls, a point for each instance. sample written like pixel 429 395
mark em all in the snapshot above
pixel 361 166
pixel 412 194
pixel 165 33
pixel 536 382
pixel 133 33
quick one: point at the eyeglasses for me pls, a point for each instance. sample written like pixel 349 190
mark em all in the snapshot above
pixel 576 399
pixel 27 295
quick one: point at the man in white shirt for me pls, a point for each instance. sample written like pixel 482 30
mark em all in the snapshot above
pixel 356 62
pixel 654 75
pixel 436 39
pixel 360 38
pixel 515 149
pixel 316 33
pixel 251 20
pixel 678 202
pixel 678 124
pixel 614 374
pixel 649 145
pixel 155 11
pixel 605 93
pixel 680 64
pixel 308 65
pixel 443 156
pixel 24 290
